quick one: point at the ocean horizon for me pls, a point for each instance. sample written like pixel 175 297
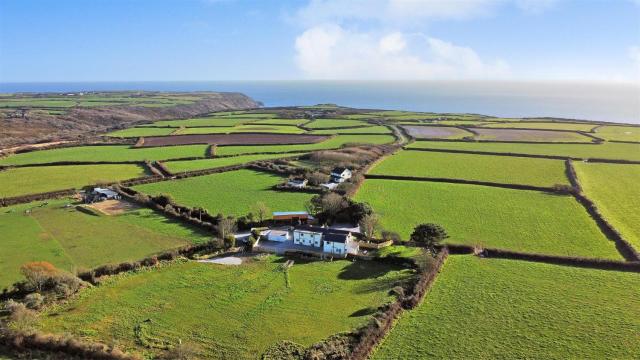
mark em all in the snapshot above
pixel 612 102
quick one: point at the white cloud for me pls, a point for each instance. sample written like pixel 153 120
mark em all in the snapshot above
pixel 332 52
pixel 536 6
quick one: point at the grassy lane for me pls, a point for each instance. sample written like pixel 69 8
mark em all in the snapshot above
pixel 517 220
pixel 33 180
pixel 505 309
pixel 229 312
pixel 501 169
pixel 616 191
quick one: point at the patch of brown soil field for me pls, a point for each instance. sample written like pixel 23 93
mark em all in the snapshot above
pixel 436 132
pixel 113 207
pixel 528 135
pixel 232 139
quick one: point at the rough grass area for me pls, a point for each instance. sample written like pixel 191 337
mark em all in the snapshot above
pixel 361 130
pixel 105 153
pixel 616 191
pixel 228 312
pixel 230 193
pixel 620 133
pixel 334 123
pixel 203 121
pixel 436 132
pixel 141 131
pixel 603 151
pixel 517 220
pixel 543 126
pixel 243 128
pixel 506 309
pixel 332 143
pixel 71 239
pixel 501 169
pixel 33 180
pixel 528 135
pixel 180 166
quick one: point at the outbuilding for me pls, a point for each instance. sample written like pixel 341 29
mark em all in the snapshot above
pixel 291 217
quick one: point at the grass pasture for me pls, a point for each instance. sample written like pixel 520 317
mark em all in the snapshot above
pixel 141 131
pixel 71 239
pixel 229 193
pixel 506 309
pixel 615 189
pixel 436 132
pixel 203 121
pixel 242 128
pixel 518 220
pixel 361 130
pixel 33 180
pixel 332 143
pixel 602 151
pixel 334 123
pixel 543 126
pixel 276 121
pixel 105 153
pixel 228 312
pixel 529 135
pixel 180 166
pixel 501 169
pixel 619 133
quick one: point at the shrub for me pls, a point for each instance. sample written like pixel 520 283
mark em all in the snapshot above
pixel 251 242
pixel 284 350
pixel 390 235
pixel 429 234
pixel 316 178
pixel 229 242
pixel 34 300
pixel 20 317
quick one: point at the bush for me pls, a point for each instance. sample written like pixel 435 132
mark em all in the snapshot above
pixel 20 317
pixel 229 242
pixel 390 235
pixel 284 350
pixel 316 178
pixel 34 300
pixel 429 234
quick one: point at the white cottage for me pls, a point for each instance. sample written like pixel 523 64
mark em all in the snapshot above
pixel 331 241
pixel 340 174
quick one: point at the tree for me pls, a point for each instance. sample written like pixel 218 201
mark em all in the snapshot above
pixel 369 225
pixel 316 178
pixel 332 203
pixel 261 210
pixel 429 234
pixel 226 226
pixel 38 273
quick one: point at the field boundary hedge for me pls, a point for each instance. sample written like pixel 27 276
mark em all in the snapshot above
pixel 35 197
pixel 537 156
pixel 468 182
pixel 512 141
pixel 49 343
pixel 371 335
pixel 622 245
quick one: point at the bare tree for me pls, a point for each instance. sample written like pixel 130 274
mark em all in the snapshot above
pixel 369 225
pixel 226 226
pixel 332 203
pixel 261 210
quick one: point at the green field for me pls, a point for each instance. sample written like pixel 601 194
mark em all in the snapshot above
pixel 603 151
pixel 544 126
pixel 180 166
pixel 615 189
pixel 334 123
pixel 33 180
pixel 332 143
pixel 243 128
pixel 362 130
pixel 281 121
pixel 620 133
pixel 505 309
pixel 105 153
pixel 228 312
pixel 71 239
pixel 204 121
pixel 501 169
pixel 528 135
pixel 491 217
pixel 141 131
pixel 436 132
pixel 230 193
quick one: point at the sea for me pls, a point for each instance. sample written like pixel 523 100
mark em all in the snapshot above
pixel 612 102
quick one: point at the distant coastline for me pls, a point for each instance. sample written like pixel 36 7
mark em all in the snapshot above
pixel 588 101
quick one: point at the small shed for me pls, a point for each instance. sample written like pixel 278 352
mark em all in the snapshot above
pixel 278 235
pixel 297 183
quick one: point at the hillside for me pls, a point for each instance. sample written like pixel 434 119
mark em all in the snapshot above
pixel 37 118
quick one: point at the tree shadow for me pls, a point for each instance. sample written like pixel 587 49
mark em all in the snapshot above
pixel 363 312
pixel 360 270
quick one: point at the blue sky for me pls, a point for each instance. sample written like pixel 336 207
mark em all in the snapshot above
pixel 145 40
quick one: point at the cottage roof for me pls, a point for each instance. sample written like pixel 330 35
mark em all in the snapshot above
pixel 106 192
pixel 336 238
pixel 339 170
pixel 322 230
pixel 285 213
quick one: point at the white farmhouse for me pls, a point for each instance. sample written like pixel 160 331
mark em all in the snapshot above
pixel 340 174
pixel 331 241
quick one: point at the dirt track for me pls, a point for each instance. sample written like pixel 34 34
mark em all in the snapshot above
pixel 232 139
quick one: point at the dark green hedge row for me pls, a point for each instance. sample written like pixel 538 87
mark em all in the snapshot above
pixel 470 182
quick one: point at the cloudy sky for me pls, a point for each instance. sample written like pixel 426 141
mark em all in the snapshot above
pixel 140 40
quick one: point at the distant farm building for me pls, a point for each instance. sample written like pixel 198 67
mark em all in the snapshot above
pixel 101 194
pixel 297 183
pixel 340 174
